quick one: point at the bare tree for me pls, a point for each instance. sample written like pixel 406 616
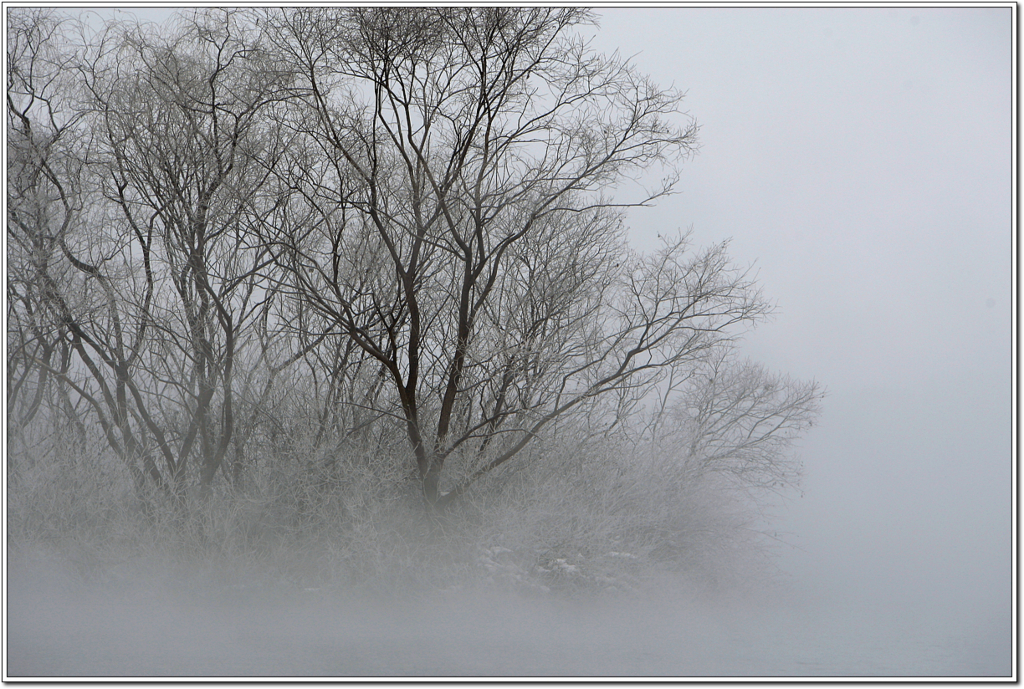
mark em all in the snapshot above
pixel 457 224
pixel 158 280
pixel 182 122
pixel 396 226
pixel 737 419
pixel 44 200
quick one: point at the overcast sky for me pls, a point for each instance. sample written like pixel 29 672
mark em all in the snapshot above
pixel 862 158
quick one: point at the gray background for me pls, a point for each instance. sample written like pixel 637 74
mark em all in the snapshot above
pixel 863 158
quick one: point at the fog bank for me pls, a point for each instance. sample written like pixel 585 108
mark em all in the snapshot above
pixel 59 627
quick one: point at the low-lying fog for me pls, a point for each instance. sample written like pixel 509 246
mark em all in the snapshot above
pixel 887 575
pixel 57 627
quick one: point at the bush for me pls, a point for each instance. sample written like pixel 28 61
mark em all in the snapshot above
pixel 600 518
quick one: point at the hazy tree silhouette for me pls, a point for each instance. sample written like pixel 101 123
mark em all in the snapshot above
pixel 294 253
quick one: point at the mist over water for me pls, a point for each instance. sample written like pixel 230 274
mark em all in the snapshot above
pixel 59 627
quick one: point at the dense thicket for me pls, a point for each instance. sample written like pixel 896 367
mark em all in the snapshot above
pixel 306 259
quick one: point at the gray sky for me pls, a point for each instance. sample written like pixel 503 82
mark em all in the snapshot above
pixel 862 157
